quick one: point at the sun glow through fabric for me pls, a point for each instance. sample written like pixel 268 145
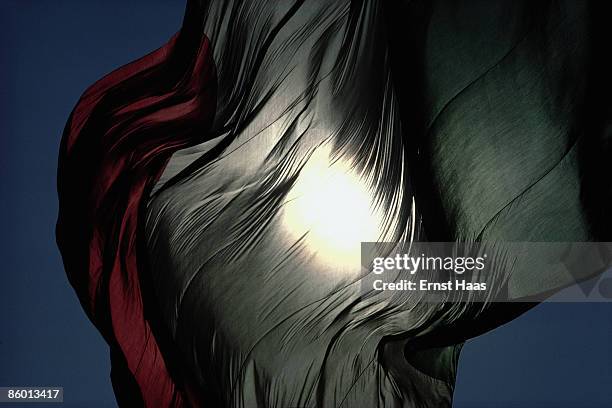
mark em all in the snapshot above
pixel 331 204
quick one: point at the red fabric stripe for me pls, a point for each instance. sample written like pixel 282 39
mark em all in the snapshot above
pixel 116 143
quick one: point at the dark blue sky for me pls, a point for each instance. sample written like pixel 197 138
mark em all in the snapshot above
pixel 558 355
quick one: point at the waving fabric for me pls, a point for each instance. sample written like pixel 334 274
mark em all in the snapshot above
pixel 115 146
pixel 213 195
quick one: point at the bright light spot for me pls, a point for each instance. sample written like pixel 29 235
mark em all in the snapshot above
pixel 332 204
